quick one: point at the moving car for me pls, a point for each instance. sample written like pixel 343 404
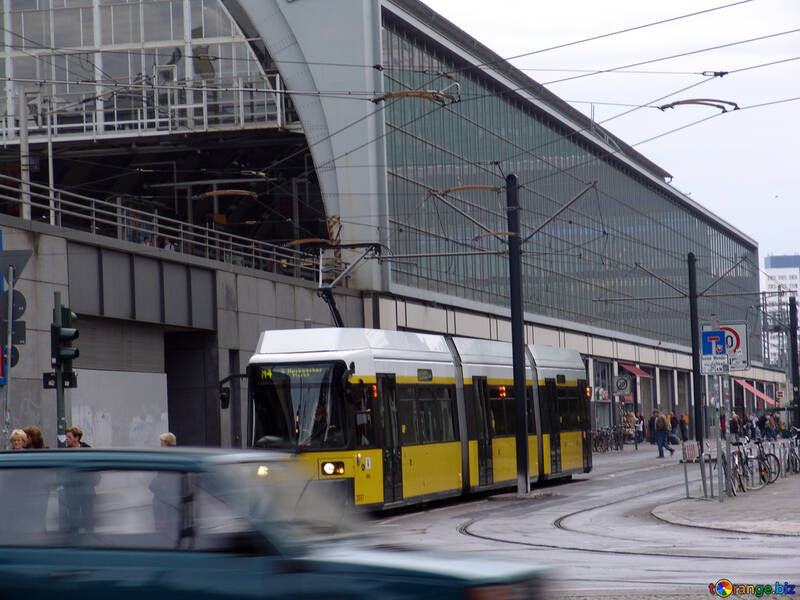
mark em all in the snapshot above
pixel 201 523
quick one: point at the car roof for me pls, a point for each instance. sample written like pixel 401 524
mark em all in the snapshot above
pixel 172 458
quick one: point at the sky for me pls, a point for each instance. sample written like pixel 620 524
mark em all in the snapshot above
pixel 740 164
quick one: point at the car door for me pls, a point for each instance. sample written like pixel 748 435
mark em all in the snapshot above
pixel 140 532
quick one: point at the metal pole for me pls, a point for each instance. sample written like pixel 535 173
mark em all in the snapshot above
pixel 517 333
pixel 697 383
pixel 61 421
pixel 51 175
pixel 10 321
pixel 24 157
pixel 793 359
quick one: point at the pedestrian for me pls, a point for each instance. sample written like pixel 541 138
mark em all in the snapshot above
pixel 18 439
pixel 662 429
pixel 74 438
pixel 684 427
pixel 639 427
pixel 168 439
pixel 651 428
pixel 733 427
pixel 35 437
pixel 771 430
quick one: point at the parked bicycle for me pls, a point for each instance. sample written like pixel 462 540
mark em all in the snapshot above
pixel 792 455
pixel 773 461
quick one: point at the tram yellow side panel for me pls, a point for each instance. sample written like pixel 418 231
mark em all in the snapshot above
pixel 368 476
pixel 504 459
pixel 533 456
pixel 474 476
pixel 431 468
pixel 548 466
pixel 364 467
pixel 571 450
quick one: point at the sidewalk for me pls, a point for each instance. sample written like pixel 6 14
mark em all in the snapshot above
pixel 771 510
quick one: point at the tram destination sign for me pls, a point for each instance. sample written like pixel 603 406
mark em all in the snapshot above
pixel 724 349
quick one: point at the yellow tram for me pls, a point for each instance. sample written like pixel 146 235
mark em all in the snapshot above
pixel 391 418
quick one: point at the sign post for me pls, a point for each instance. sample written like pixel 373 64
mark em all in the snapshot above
pixel 12 262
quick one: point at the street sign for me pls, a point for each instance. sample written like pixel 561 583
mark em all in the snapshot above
pixel 18 305
pixel 724 349
pixel 622 385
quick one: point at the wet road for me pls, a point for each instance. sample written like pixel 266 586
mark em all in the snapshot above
pixel 600 537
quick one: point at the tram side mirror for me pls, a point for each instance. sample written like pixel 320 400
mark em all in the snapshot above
pixel 224 397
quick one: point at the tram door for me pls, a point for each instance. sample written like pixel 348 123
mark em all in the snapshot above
pixel 483 415
pixel 554 414
pixel 392 453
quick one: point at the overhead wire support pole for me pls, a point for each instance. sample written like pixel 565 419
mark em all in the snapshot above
pixel 793 359
pixel 662 280
pixel 694 323
pixel 721 277
pixel 552 217
pixel 517 333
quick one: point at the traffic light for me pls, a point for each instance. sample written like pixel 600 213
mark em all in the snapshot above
pixel 62 352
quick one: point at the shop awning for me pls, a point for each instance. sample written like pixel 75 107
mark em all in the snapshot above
pixel 635 370
pixel 758 393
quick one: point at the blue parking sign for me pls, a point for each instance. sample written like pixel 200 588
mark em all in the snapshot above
pixel 713 343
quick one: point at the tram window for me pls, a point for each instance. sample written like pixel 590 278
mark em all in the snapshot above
pixel 363 399
pixel 406 415
pixel 435 412
pixel 503 411
pixel 569 407
pixel 445 398
pixel 428 418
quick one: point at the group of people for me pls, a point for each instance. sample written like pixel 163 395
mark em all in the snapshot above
pixel 766 426
pixel 162 242
pixel 663 429
pixel 31 438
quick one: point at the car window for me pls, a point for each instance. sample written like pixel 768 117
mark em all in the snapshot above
pixel 120 509
pixel 28 507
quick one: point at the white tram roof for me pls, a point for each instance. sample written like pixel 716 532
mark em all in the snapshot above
pixel 489 352
pixel 349 342
pixel 378 343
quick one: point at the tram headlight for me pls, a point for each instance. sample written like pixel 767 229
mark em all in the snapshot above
pixel 330 467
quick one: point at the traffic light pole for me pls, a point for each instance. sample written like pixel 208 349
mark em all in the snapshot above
pixel 61 419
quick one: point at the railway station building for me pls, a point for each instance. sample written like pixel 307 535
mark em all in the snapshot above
pixel 188 173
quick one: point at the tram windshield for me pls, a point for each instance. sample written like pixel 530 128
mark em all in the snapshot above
pixel 297 405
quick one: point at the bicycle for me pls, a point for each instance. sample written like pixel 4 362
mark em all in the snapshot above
pixel 792 456
pixel 730 482
pixel 750 474
pixel 772 461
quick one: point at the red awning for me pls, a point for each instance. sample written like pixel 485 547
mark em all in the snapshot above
pixel 758 393
pixel 635 370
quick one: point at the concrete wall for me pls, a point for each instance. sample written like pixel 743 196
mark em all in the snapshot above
pixel 107 422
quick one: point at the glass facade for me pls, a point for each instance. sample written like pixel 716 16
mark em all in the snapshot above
pixel 116 65
pixel 582 267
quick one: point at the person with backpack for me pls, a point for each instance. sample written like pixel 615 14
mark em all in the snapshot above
pixel 662 429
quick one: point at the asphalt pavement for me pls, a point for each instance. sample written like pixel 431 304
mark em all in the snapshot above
pixel 769 510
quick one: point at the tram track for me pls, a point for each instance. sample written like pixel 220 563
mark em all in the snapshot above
pixel 465 528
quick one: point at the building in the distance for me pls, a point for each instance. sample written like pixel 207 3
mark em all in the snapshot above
pixel 178 165
pixel 780 281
